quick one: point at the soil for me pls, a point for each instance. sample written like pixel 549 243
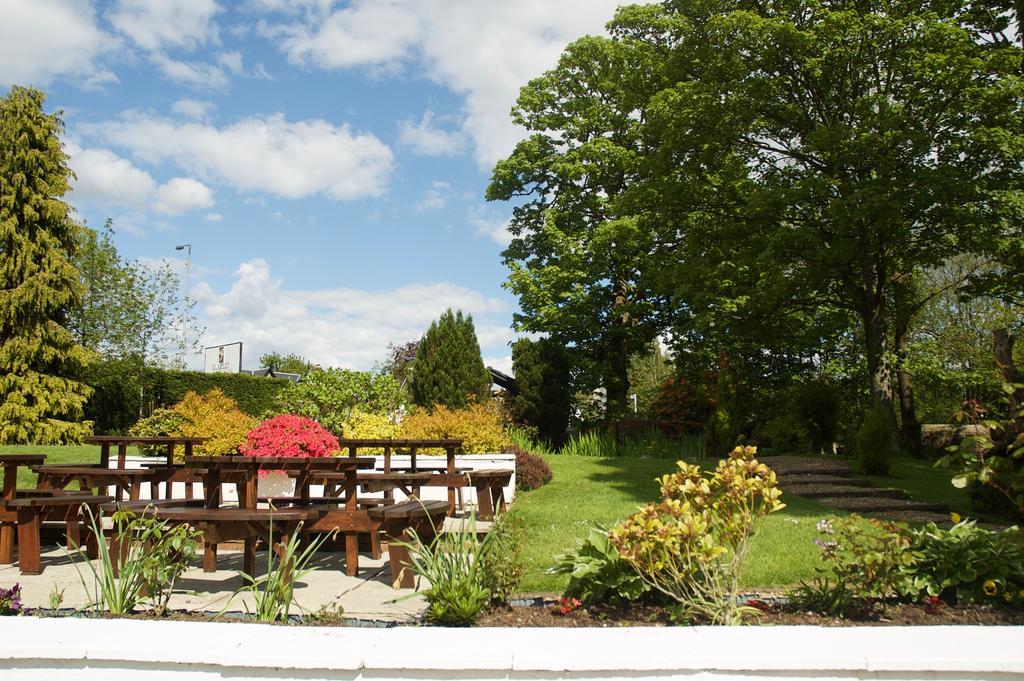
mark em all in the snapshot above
pixel 658 616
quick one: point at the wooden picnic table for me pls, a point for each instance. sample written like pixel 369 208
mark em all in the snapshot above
pixel 244 472
pixel 449 477
pixel 122 442
pixel 27 509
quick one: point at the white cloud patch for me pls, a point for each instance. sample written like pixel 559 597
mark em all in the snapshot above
pixel 162 24
pixel 192 108
pixel 426 139
pixel 196 74
pixel 214 217
pixel 490 224
pixel 41 40
pixel 484 51
pixel 344 327
pixel 232 61
pixel 105 178
pixel 266 154
pixel 180 195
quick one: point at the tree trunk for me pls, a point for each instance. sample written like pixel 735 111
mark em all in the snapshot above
pixel 910 427
pixel 617 367
pixel 876 345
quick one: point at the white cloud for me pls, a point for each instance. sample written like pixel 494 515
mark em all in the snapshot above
pixel 43 39
pixel 214 217
pixel 432 200
pixel 490 224
pixel 267 154
pixel 424 138
pixel 180 195
pixel 484 51
pixel 343 327
pixel 105 178
pixel 193 108
pixel 232 61
pixel 502 364
pixel 197 74
pixel 161 24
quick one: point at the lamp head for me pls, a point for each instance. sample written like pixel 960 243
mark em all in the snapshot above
pixel 180 248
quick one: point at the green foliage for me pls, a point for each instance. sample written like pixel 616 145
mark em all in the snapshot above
pixel 289 364
pixel 543 397
pixel 969 564
pixel 866 560
pixel 273 592
pixel 875 443
pixel 651 444
pixel 786 434
pixel 217 418
pixel 329 396
pixel 40 399
pixel 254 395
pixel 154 555
pixel 597 573
pixel 691 546
pixel 452 564
pixel 160 423
pixel 648 372
pixel 480 426
pixel 448 369
pixel 502 563
pixel 819 408
pixel 532 471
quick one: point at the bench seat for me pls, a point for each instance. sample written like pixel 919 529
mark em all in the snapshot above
pixel 424 518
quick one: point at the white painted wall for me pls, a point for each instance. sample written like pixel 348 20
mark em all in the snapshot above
pixel 34 649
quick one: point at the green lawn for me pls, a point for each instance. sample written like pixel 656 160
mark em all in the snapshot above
pixel 54 454
pixel 924 482
pixel 587 490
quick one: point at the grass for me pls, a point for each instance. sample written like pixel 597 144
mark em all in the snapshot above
pixel 54 454
pixel 922 481
pixel 588 490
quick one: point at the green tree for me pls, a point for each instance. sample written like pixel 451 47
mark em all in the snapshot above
pixel 543 397
pixel 40 402
pixel 328 396
pixel 289 364
pixel 648 372
pixel 814 154
pixel 578 260
pixel 448 368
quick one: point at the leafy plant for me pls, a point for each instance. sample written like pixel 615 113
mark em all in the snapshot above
pixel 364 425
pixel 289 435
pixel 160 423
pixel 448 369
pixel 273 592
pixel 968 564
pixel 452 564
pixel 502 564
pixel 329 396
pixel 692 544
pixel 531 470
pixel 56 599
pixel 216 417
pixel 480 426
pixel 865 560
pixel 154 554
pixel 10 600
pixel 597 573
pixel 875 444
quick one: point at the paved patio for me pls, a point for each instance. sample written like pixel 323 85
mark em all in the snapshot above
pixel 368 597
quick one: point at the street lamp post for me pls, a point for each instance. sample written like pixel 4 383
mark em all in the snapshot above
pixel 184 310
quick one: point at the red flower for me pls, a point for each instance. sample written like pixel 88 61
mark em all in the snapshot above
pixel 289 435
pixel 567 605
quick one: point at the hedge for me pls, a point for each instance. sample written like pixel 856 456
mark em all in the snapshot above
pixel 115 403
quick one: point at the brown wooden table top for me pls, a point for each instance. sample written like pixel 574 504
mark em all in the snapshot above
pixel 399 443
pixel 86 470
pixel 279 462
pixel 22 459
pixel 133 440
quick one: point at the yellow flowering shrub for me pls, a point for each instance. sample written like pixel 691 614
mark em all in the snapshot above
pixel 216 417
pixel 362 425
pixel 481 427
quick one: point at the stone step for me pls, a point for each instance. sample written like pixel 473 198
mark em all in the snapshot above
pixel 825 491
pixel 823 479
pixel 880 504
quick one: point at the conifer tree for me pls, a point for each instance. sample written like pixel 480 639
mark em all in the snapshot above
pixel 40 402
pixel 543 396
pixel 448 369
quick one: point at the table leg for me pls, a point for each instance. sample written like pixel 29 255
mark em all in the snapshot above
pixel 251 489
pixel 209 557
pixel 105 455
pixel 122 454
pixel 10 482
pixel 136 489
pixel 72 528
pixel 352 554
pixel 29 559
pixel 249 557
pixel 211 488
pixel 450 455
pixel 6 543
pixel 484 506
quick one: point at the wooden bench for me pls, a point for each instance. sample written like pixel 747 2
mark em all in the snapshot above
pixel 30 508
pixel 490 490
pixel 220 525
pixel 398 521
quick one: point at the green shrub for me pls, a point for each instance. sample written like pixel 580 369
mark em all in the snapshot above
pixel 865 560
pixel 818 405
pixel 502 564
pixel 161 422
pixel 531 470
pixel 786 434
pixel 969 564
pixel 254 395
pixel 330 396
pixel 875 444
pixel 448 369
pixel 216 417
pixel 597 573
pixel 480 426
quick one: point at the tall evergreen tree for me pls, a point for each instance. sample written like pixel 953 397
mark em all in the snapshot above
pixel 39 401
pixel 543 396
pixel 448 369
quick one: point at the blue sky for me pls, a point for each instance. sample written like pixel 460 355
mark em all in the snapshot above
pixel 326 160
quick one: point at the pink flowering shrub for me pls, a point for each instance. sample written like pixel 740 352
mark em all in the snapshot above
pixel 289 435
